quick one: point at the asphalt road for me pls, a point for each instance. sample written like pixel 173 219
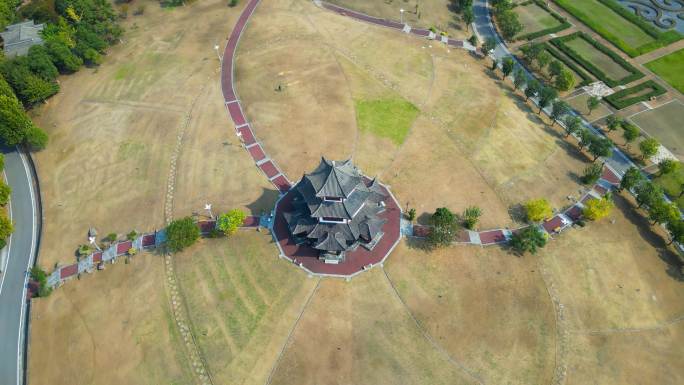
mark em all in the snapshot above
pixel 13 280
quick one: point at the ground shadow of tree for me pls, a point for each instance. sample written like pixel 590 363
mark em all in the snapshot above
pixel 646 231
pixel 264 203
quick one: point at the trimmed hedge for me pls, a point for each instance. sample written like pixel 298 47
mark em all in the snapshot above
pixel 621 100
pixel 586 79
pixel 635 74
pixel 533 35
pixel 662 39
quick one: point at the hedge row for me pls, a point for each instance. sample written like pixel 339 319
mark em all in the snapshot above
pixel 662 39
pixel 621 100
pixel 586 79
pixel 533 35
pixel 589 66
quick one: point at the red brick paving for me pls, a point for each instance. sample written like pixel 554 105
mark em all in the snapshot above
pixel 236 114
pixel 463 236
pixel 251 221
pixel 610 176
pixel 600 189
pixel 355 260
pixel 123 247
pixel 552 224
pixel 575 213
pixel 149 240
pixel 421 230
pixel 97 257
pixel 493 236
pixel 269 169
pixel 206 226
pixel 247 135
pixel 68 271
pixel 256 152
pixel 281 183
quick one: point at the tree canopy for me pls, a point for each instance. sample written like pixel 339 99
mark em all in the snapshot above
pixel 596 209
pixel 529 239
pixel 444 227
pixel 538 209
pixel 181 233
pixel 231 221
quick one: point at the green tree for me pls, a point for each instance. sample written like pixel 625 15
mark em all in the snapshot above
pixel 531 51
pixel 181 233
pixel 648 148
pixel 468 17
pixel 6 226
pixel 231 221
pixel 62 57
pixel 596 209
pixel 509 24
pixel 470 216
pixel 546 96
pixel 501 6
pixel 14 124
pixel 676 229
pixel 40 63
pixel 444 228
pixel 592 173
pixel 661 211
pixel 572 124
pixel 647 193
pixel 532 89
pixel 538 209
pixel 559 108
pixel 507 65
pixel 519 78
pixel 473 40
pixel 593 103
pixel 37 90
pixel 2 161
pixel 555 68
pixel 585 137
pixel 411 214
pixel 39 276
pixel 5 192
pixel 530 239
pixel 632 178
pixel 565 81
pixel 600 146
pixel 36 138
pixel 629 131
pixel 543 59
pixel 612 122
pixel 494 64
pixel 668 166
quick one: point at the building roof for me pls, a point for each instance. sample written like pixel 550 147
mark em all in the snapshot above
pixel 18 38
pixel 341 224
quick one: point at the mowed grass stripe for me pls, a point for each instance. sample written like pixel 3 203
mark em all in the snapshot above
pixel 389 118
pixel 604 62
pixel 534 18
pixel 670 68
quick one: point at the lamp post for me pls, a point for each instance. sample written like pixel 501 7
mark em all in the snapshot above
pixel 216 48
pixel 401 12
pixel 207 206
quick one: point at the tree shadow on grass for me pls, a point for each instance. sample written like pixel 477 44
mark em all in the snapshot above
pixel 647 233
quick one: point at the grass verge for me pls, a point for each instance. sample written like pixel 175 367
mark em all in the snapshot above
pixel 388 118
pixel 670 68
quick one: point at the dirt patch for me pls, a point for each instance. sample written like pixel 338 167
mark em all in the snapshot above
pixel 110 327
pixel 487 308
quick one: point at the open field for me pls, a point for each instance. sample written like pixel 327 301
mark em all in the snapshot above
pixel 579 103
pixel 110 327
pixel 487 308
pixel 358 332
pixel 113 131
pixel 534 18
pixel 602 61
pixel 433 13
pixel 242 301
pixel 664 123
pixel 386 118
pixel 470 132
pixel 670 68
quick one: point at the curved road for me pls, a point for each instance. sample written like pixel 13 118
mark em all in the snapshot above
pixel 22 248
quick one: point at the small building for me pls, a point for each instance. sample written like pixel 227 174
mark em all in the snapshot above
pixel 335 210
pixel 18 38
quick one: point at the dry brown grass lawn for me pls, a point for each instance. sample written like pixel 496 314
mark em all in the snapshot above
pixel 431 13
pixel 360 333
pixel 111 327
pixel 487 308
pixel 113 130
pixel 242 301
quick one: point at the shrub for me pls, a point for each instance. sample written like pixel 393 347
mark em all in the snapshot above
pixel 181 233
pixel 111 237
pixel 132 235
pixel 39 275
pixel 6 226
pixel 411 215
pixel 592 173
pixel 634 73
pixel 5 192
pixel 529 239
pixel 470 216
pixel 229 222
pixel 537 210
pixel 621 99
pixel 444 228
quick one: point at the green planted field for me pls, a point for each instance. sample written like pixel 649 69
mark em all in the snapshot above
pixel 670 68
pixel 664 123
pixel 618 25
pixel 538 20
pixel 389 118
pixel 639 93
pixel 672 184
pixel 598 59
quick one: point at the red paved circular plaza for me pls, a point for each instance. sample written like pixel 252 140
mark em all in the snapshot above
pixel 307 257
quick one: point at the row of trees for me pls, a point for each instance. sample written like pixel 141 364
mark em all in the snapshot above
pixel 507 20
pixel 561 76
pixel 184 232
pixel 6 226
pixel 446 224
